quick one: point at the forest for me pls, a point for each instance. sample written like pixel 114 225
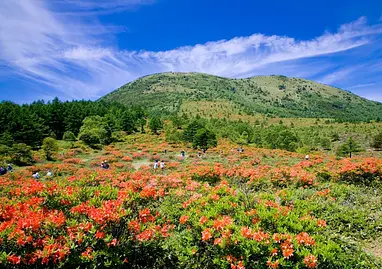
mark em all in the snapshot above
pixel 24 128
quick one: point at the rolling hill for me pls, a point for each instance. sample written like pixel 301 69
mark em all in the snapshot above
pixel 275 96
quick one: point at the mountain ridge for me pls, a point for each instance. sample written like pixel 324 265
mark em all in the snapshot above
pixel 275 95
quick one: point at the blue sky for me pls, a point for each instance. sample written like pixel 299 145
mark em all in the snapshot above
pixel 84 49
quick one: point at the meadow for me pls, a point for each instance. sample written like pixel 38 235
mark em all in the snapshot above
pixel 260 208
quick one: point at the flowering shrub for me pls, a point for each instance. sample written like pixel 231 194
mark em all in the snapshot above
pixel 194 214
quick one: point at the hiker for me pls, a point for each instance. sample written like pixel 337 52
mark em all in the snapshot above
pixel 10 168
pixel 105 165
pixel 182 153
pixel 162 164
pixel 3 171
pixel 204 150
pixel 36 175
pixel 165 151
pixel 199 154
pixel 49 174
pixel 307 157
pixel 156 164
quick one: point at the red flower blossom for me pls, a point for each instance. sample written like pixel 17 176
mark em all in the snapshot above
pixel 14 259
pixel 99 235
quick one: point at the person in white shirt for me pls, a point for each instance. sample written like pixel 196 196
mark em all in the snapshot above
pixel 156 164
pixel 162 165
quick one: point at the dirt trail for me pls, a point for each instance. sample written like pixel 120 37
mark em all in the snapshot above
pixel 374 247
pixel 140 163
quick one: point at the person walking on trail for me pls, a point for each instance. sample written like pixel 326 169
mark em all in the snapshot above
pixel 49 174
pixel 10 168
pixel 307 157
pixel 162 164
pixel 36 175
pixel 156 164
pixel 165 151
pixel 182 153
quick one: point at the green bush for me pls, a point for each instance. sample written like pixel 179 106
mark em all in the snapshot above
pixel 69 136
pixel 377 141
pixel 204 139
pixel 155 124
pixel 49 146
pixel 94 131
pixel 21 154
pixel 349 147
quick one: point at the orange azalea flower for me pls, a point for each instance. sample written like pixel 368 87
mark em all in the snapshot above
pixel 255 220
pixel 240 265
pixel 310 261
pixel 246 232
pixel 277 238
pixel 218 225
pixel 230 258
pixel 288 252
pixel 203 220
pixel 183 219
pixel 218 241
pixel 304 238
pixel 273 265
pixel 215 197
pixel 260 236
pixel 145 235
pixel 226 234
pixel 113 242
pixel 87 253
pixel 321 223
pixel 206 234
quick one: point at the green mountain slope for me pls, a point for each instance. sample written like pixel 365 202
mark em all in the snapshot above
pixel 277 96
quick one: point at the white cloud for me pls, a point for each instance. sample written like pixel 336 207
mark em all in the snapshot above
pixel 361 86
pixel 89 53
pixel 70 55
pixel 339 75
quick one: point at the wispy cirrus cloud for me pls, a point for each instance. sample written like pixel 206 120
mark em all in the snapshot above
pixel 71 58
pixel 93 7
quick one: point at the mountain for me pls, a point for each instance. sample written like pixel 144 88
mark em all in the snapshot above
pixel 276 96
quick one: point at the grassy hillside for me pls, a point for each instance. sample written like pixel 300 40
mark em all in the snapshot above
pixel 276 96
